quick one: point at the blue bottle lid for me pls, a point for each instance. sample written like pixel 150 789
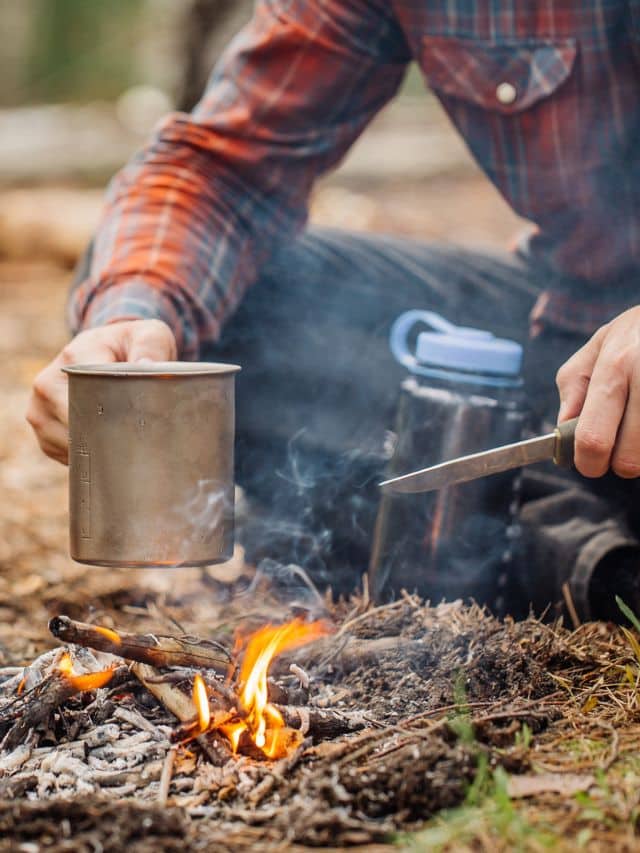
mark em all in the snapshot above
pixel 450 347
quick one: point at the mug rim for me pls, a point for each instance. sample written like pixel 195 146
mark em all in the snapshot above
pixel 152 369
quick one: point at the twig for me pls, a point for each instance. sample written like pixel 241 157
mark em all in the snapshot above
pixel 350 624
pixel 145 648
pixel 351 653
pixel 323 723
pixel 173 699
pixel 33 708
pixel 178 703
pixel 301 675
pixel 165 777
pixel 568 600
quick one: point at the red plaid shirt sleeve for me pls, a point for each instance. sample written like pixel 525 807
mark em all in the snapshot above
pixel 189 221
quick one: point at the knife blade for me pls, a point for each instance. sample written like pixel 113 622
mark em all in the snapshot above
pixel 556 445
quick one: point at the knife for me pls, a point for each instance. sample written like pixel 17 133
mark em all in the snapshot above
pixel 556 445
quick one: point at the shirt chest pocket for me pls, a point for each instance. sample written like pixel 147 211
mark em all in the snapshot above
pixel 511 103
pixel 506 78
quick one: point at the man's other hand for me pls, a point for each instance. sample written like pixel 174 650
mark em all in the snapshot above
pixel 601 384
pixel 133 340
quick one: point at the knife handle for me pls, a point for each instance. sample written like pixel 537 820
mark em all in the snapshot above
pixel 565 437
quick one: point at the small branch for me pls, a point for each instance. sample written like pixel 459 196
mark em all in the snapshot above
pixel 149 649
pixel 173 699
pixel 165 778
pixel 323 723
pixel 182 707
pixel 31 709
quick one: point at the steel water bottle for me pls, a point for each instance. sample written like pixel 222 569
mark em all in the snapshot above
pixel 463 394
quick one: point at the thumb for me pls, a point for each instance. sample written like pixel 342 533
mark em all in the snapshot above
pixel 150 340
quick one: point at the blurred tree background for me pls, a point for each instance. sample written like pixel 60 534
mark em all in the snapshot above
pixel 83 50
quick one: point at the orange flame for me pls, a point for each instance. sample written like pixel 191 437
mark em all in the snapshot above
pixel 262 720
pixel 201 701
pixel 90 681
pixel 113 636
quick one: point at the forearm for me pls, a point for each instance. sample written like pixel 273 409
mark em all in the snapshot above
pixel 189 223
pixel 180 245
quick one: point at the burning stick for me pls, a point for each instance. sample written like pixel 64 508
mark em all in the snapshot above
pixel 248 720
pixel 173 699
pixel 35 706
pixel 145 648
pixel 182 707
pixel 321 723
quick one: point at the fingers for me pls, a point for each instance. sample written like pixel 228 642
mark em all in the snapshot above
pixel 91 347
pixel 602 413
pixel 135 340
pixel 601 384
pixel 574 376
pixel 49 396
pixel 625 460
pixel 47 411
pixel 53 439
pixel 49 392
pixel 149 339
pixel 85 348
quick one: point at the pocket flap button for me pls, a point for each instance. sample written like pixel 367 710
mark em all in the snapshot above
pixel 506 93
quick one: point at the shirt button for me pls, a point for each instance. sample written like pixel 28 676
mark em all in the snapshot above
pixel 506 93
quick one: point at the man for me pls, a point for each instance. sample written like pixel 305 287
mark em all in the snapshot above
pixel 546 96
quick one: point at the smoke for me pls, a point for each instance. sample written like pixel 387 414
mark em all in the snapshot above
pixel 289 586
pixel 208 512
pixel 314 510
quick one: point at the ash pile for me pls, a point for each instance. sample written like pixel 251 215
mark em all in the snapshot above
pixel 344 732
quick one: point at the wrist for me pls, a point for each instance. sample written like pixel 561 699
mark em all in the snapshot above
pixel 133 299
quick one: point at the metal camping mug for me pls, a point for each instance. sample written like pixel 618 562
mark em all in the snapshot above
pixel 151 463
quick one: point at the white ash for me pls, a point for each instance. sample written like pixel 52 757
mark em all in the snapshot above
pixel 120 757
pixel 16 758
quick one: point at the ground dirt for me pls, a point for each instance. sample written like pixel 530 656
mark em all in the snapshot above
pixel 482 735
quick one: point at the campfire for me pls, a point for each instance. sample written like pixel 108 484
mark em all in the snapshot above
pixel 341 731
pixel 257 717
pixel 224 700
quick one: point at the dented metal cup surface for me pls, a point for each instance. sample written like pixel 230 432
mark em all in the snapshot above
pixel 151 463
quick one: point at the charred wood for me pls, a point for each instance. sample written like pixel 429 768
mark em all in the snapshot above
pixel 323 723
pixel 182 707
pixel 35 707
pixel 285 694
pixel 157 651
pixel 32 709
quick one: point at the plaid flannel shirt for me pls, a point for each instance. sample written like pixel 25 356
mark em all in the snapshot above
pixel 546 94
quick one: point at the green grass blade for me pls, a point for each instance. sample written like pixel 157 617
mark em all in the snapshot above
pixel 628 612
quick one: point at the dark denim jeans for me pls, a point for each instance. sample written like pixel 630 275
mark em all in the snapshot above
pixel 318 391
